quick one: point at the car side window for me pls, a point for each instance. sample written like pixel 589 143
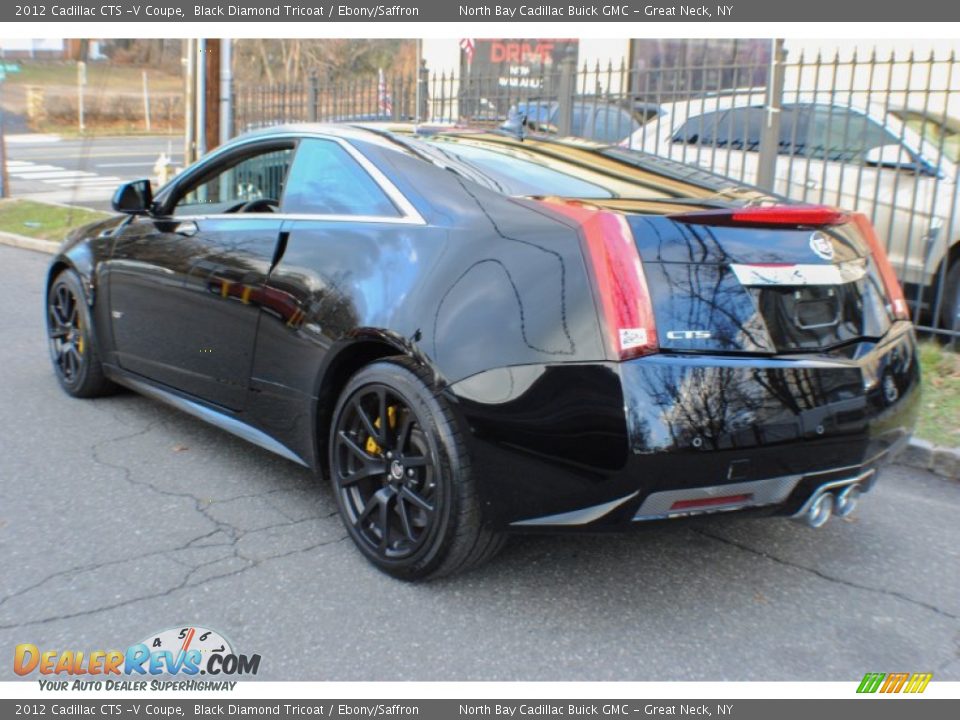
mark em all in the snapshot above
pixel 612 125
pixel 697 128
pixel 735 129
pixel 255 179
pixel 578 121
pixel 793 130
pixel 326 180
pixel 843 135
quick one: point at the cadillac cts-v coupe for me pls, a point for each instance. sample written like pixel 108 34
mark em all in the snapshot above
pixel 471 334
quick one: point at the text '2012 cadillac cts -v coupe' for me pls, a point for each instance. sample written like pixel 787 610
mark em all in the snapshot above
pixel 472 333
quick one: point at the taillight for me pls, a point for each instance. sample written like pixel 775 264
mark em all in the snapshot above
pixel 620 282
pixel 769 216
pixel 898 303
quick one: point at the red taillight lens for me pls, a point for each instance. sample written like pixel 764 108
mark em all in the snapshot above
pixel 769 216
pixel 620 282
pixel 898 303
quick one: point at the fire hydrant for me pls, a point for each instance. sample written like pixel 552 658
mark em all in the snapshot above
pixel 163 169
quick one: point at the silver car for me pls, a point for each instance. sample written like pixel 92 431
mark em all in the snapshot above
pixel 838 151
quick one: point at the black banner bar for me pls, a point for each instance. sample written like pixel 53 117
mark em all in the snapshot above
pixel 327 11
pixel 367 709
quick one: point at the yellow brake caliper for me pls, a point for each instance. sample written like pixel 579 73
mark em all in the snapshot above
pixel 371 446
pixel 79 335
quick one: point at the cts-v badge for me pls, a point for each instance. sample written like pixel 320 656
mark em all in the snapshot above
pixel 689 334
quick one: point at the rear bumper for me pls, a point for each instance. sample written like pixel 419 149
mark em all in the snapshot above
pixel 709 421
pixel 610 446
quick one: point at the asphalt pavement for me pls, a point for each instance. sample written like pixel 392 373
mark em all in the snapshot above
pixel 120 517
pixel 83 171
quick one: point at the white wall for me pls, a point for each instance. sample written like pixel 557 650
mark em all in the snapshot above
pixel 30 45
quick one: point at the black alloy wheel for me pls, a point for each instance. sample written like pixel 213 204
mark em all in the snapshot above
pixel 386 475
pixel 401 475
pixel 66 333
pixel 73 351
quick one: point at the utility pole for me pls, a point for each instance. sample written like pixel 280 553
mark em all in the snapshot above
pixel 81 82
pixel 200 100
pixel 190 86
pixel 226 90
pixel 4 178
pixel 212 110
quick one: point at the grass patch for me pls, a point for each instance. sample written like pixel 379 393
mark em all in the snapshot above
pixel 43 221
pixel 940 411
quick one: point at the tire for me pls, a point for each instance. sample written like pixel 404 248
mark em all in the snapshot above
pixel 414 480
pixel 950 312
pixel 72 342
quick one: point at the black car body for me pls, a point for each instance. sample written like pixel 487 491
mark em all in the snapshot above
pixel 606 338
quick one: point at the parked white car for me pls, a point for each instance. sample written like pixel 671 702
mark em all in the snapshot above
pixel 837 151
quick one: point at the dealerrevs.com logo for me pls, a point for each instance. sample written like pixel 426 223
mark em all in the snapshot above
pixel 184 651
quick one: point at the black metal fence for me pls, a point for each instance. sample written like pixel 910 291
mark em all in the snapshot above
pixel 880 135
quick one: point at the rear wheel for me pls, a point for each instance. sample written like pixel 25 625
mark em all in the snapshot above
pixel 73 348
pixel 401 475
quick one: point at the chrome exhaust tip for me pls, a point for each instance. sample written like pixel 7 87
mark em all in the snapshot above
pixel 846 500
pixel 820 511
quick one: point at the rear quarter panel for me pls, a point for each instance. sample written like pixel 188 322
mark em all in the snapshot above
pixel 487 282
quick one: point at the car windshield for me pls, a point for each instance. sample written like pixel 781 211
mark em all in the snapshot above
pixel 939 134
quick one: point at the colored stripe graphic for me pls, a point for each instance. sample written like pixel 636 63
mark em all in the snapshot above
pixel 871 682
pixel 894 682
pixel 918 682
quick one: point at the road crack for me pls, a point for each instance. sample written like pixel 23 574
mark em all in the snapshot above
pixel 231 534
pixel 824 576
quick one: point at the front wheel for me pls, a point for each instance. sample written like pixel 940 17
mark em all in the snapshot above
pixel 73 347
pixel 401 475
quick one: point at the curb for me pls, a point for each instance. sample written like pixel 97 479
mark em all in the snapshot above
pixel 924 455
pixel 28 243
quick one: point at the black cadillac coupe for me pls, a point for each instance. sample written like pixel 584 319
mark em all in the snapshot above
pixel 472 333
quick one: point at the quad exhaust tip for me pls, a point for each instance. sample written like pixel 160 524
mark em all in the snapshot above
pixel 820 510
pixel 847 500
pixel 827 503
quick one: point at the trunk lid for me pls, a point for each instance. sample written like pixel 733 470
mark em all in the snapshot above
pixel 767 289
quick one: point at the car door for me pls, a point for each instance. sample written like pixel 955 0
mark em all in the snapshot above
pixel 348 256
pixel 185 283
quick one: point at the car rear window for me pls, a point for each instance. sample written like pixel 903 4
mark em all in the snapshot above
pixel 514 174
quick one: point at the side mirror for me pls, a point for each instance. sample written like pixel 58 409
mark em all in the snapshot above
pixel 134 198
pixel 893 156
